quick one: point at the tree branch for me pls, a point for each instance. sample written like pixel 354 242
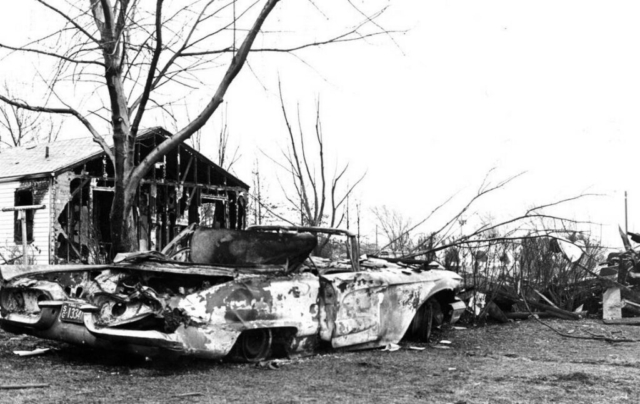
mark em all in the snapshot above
pixel 70 20
pixel 152 69
pixel 69 111
pixel 173 58
pixel 40 52
pixel 292 49
pixel 233 70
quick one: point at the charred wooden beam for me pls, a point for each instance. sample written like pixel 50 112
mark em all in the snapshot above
pixel 178 175
pixel 199 185
pixel 186 171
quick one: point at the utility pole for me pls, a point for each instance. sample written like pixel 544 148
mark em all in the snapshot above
pixel 358 212
pixel 347 212
pixel 626 216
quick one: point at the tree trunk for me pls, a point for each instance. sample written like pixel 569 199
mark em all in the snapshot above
pixel 123 224
pixel 124 235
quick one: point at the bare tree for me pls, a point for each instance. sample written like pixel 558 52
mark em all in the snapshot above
pixel 226 160
pixel 223 156
pixel 19 127
pixel 394 225
pixel 318 199
pixel 262 208
pixel 128 58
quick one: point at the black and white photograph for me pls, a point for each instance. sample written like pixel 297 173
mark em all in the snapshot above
pixel 306 201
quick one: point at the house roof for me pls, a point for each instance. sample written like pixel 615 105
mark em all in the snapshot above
pixel 32 161
pixel 24 161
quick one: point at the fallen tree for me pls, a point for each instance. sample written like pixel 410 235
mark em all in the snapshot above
pixel 502 258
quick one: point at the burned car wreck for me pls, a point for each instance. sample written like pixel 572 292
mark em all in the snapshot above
pixel 244 295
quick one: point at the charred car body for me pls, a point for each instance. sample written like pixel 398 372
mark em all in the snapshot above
pixel 243 294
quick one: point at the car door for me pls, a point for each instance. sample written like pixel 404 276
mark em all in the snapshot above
pixel 352 307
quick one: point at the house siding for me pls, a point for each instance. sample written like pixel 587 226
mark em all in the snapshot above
pixel 7 195
pixel 39 249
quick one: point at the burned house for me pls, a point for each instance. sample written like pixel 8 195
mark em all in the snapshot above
pixel 70 185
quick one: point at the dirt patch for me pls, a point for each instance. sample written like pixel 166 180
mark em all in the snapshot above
pixel 579 377
pixel 513 363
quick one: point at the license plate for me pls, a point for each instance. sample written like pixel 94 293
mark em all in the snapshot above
pixel 71 314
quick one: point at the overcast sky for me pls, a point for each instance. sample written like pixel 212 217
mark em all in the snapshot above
pixel 547 87
pixel 550 88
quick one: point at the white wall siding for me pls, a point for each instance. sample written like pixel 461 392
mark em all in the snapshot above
pixel 41 223
pixel 42 228
pixel 7 199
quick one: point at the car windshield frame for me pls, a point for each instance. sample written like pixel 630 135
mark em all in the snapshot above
pixel 354 247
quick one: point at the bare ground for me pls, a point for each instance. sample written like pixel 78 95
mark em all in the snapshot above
pixel 515 363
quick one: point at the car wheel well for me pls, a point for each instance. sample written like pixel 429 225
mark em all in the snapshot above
pixel 259 344
pixel 252 345
pixel 445 298
pixel 431 313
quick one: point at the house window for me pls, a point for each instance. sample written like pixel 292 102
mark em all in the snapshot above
pixel 24 197
pixel 212 212
pixel 207 214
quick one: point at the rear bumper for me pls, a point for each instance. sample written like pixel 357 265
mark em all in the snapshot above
pixel 185 341
pixel 78 335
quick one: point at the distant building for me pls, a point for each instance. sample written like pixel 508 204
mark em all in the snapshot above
pixel 74 181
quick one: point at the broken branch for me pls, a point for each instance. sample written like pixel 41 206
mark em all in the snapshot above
pixel 23 386
pixel 563 334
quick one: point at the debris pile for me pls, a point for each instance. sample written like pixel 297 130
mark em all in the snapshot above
pixel 567 278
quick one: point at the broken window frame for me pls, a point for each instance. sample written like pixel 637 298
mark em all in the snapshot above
pixel 29 215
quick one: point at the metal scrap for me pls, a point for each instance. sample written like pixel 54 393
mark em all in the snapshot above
pixel 35 352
